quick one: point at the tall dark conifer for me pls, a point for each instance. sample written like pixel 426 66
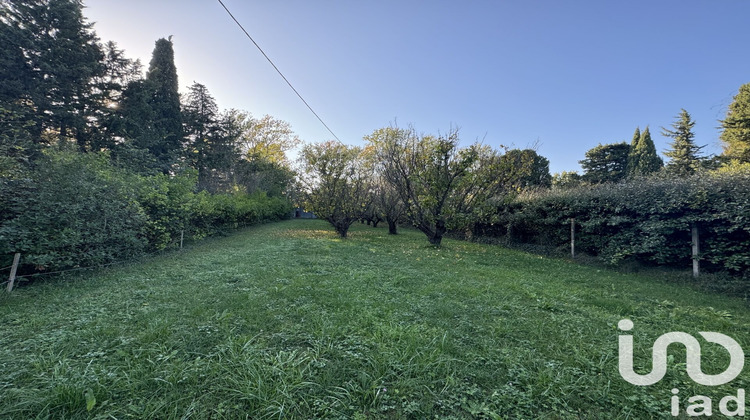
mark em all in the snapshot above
pixel 161 81
pixel 606 163
pixel 52 57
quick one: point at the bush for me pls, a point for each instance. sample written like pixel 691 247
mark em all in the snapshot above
pixel 74 210
pixel 648 220
pixel 77 210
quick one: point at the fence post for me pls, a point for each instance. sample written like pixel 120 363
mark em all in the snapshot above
pixel 13 269
pixel 696 251
pixel 182 237
pixel 572 238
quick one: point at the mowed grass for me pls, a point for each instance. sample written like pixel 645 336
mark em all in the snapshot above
pixel 288 321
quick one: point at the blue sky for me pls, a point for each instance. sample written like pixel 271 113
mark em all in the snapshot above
pixel 566 75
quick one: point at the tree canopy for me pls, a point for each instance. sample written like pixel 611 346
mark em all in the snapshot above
pixel 337 183
pixel 606 163
pixel 736 127
pixel 642 158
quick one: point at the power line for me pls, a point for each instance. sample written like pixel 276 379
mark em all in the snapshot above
pixel 277 70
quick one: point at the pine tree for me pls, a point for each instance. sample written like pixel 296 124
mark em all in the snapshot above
pixel 644 157
pixel 683 150
pixel 110 87
pixel 161 81
pixel 212 140
pixel 736 134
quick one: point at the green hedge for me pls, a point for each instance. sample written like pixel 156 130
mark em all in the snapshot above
pixel 648 220
pixel 77 210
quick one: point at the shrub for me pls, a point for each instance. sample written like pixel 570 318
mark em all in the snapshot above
pixel 74 210
pixel 647 219
pixel 77 210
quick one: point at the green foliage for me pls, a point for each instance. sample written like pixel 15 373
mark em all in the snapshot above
pixel 523 169
pixel 606 163
pixel 643 159
pixel 442 185
pixel 52 59
pixel 77 210
pixel 648 220
pixel 62 90
pixel 74 210
pixel 260 174
pixel 736 127
pixel 683 150
pixel 566 180
pixel 212 140
pixel 161 126
pixel 266 138
pixel 337 183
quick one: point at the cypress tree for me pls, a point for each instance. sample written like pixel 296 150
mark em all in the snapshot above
pixel 645 160
pixel 736 127
pixel 683 150
pixel 632 156
pixel 161 81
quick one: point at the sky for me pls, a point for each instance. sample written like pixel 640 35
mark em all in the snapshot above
pixel 561 76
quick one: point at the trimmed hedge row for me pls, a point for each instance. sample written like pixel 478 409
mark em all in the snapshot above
pixel 648 220
pixel 77 210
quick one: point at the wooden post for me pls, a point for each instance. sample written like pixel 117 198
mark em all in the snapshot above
pixel 696 251
pixel 13 269
pixel 182 237
pixel 572 238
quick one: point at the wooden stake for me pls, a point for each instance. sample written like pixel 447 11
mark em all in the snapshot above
pixel 182 237
pixel 572 238
pixel 696 251
pixel 13 269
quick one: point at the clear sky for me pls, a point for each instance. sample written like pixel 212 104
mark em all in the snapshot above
pixel 566 74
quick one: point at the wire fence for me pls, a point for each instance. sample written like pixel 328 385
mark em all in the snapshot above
pixel 27 277
pixel 8 268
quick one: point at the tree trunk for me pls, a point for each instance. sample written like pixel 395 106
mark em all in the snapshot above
pixel 437 235
pixel 375 223
pixel 392 226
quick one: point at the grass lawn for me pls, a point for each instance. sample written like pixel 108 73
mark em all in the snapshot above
pixel 288 321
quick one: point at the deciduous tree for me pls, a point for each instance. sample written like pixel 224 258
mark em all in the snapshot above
pixel 440 183
pixel 525 169
pixel 337 183
pixel 263 144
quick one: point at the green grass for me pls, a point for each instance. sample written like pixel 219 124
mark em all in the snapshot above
pixel 288 321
